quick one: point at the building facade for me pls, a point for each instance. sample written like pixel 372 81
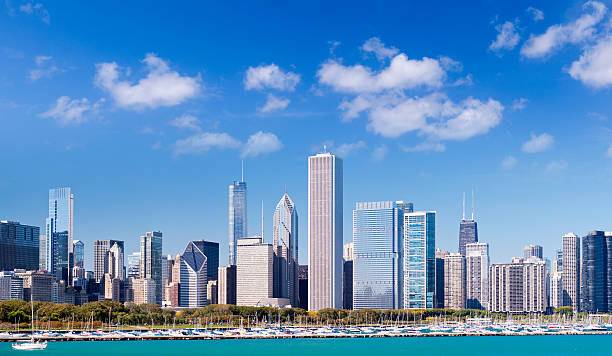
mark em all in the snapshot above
pixel 254 271
pixel 519 287
pixel 477 275
pixel 151 261
pixel 59 232
pixel 237 216
pixel 440 256
pixel 571 271
pixel 419 260
pixel 18 246
pixel 455 281
pixel 11 286
pixel 193 280
pixel 285 242
pixel 536 251
pixel 325 235
pixel 226 286
pixel 107 261
pixel 596 274
pixel 377 238
pixel 78 248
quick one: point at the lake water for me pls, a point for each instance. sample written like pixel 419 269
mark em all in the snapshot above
pixel 396 346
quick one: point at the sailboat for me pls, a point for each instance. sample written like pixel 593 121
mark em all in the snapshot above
pixel 31 344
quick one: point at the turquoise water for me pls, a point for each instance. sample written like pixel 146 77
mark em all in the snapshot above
pixel 467 345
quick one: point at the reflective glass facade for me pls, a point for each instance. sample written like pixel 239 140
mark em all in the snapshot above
pixel 285 243
pixel 18 246
pixel 377 235
pixel 59 231
pixel 151 260
pixel 79 252
pixel 596 276
pixel 237 216
pixel 419 260
pixel 468 233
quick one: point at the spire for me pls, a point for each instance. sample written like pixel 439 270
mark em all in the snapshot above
pixel 472 204
pixel 242 168
pixel 463 218
pixel 262 220
pixel 285 189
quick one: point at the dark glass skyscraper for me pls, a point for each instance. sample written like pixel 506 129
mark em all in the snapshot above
pixel 18 246
pixel 211 251
pixel 596 288
pixel 468 229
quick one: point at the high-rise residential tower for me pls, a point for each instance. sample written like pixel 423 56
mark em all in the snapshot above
pixel 440 256
pixel 237 215
pixel 377 237
pixel 78 248
pixel 468 228
pixel 536 251
pixel 571 271
pixel 18 246
pixel 59 232
pixel 596 275
pixel 477 275
pixel 107 261
pixel 325 231
pixel 454 281
pixel 151 261
pixel 419 260
pixel 285 244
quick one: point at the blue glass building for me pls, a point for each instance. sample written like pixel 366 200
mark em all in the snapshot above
pixel 237 216
pixel 419 260
pixel 596 274
pixel 377 236
pixel 18 246
pixel 59 232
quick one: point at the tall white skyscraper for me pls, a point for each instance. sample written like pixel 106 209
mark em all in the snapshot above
pixel 477 275
pixel 454 281
pixel 237 215
pixel 571 271
pixel 254 271
pixel 59 231
pixel 324 231
pixel 419 256
pixel 285 237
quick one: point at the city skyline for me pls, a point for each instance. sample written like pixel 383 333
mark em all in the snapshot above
pixel 261 101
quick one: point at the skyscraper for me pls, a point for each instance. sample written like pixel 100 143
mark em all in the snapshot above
pixel 377 236
pixel 226 285
pixel 150 261
pixel 237 215
pixel 571 271
pixel 79 252
pixel 193 281
pixel 518 287
pixel 454 281
pixel 133 269
pixel 440 256
pixel 18 246
pixel 254 266
pixel 324 231
pixel 107 262
pixel 468 229
pixel 596 276
pixel 285 243
pixel 419 260
pixel 42 252
pixel 533 251
pixel 477 275
pixel 211 251
pixel 59 231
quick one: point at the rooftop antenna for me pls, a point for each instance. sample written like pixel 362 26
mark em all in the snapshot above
pixel 463 218
pixel 324 148
pixel 472 204
pixel 285 189
pixel 242 168
pixel 262 220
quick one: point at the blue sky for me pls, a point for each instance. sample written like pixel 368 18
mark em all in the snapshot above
pixel 146 110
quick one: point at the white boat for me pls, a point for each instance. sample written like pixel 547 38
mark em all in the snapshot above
pixel 31 344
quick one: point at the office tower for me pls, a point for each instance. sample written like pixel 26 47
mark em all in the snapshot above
pixel 285 243
pixel 237 215
pixel 37 286
pixel 133 269
pixel 165 276
pixel 42 252
pixel 226 286
pixel 419 260
pixel 254 266
pixel 347 275
pixel 107 261
pixel 454 281
pixel 78 248
pixel 144 290
pixel 377 237
pixel 193 280
pixel 477 275
pixel 533 251
pixel 440 256
pixel 556 289
pixel 59 232
pixel 596 275
pixel 303 287
pixel 211 251
pixel 111 287
pixel 519 287
pixel 18 246
pixel 324 231
pixel 169 268
pixel 571 271
pixel 348 253
pixel 11 286
pixel 211 292
pixel 468 228
pixel 150 261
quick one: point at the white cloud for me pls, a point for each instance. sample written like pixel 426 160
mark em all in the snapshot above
pixel 71 111
pixel 186 121
pixel 274 103
pixel 271 77
pixel 507 37
pixel 537 14
pixel 261 143
pixel 374 45
pixel 509 163
pixel 402 73
pixel 594 68
pixel 346 149
pixel 574 32
pixel 519 104
pixel 426 146
pixel 609 152
pixel 203 142
pixel 161 87
pixel 36 9
pixel 450 64
pixel 556 166
pixel 44 68
pixel 539 143
pixel 380 153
